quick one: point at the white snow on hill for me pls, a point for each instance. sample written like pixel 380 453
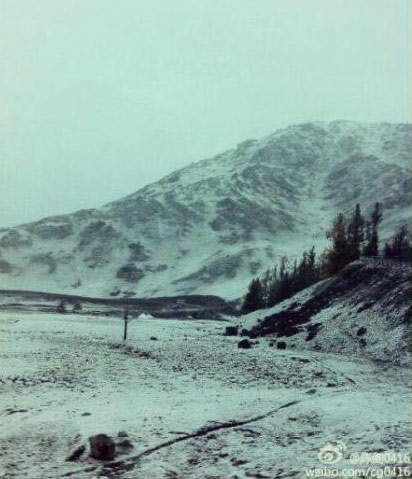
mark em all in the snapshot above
pixel 206 229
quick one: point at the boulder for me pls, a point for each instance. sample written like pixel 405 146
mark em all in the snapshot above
pixel 244 344
pixel 102 447
pixel 231 330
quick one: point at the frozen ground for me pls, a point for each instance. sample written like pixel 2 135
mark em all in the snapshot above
pixel 216 411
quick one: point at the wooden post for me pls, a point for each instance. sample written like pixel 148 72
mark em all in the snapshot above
pixel 126 320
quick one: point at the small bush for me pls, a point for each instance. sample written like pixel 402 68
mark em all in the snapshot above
pixel 77 308
pixel 61 308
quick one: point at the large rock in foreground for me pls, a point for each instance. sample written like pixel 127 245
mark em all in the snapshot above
pixel 102 447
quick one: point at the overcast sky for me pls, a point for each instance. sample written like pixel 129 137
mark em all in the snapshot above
pixel 100 97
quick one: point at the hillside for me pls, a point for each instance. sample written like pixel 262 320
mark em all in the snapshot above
pixel 206 229
pixel 363 311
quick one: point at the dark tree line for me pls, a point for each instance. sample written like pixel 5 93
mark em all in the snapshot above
pixel 400 245
pixel 350 239
pixel 282 283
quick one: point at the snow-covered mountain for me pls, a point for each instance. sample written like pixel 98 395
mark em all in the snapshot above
pixel 209 227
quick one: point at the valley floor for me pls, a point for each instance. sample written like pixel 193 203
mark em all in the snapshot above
pixel 192 403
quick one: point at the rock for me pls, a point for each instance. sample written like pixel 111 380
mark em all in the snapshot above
pixel 102 447
pixel 231 331
pixel 244 344
pixel 153 338
pixel 122 434
pixel 125 444
pixel 76 453
pixel 281 345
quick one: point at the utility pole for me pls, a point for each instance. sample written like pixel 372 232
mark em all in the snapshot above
pixel 126 320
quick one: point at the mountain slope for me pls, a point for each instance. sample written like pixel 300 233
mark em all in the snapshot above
pixel 364 310
pixel 207 228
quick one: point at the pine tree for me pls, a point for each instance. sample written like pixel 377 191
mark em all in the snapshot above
pixel 372 246
pixel 266 281
pixel 400 246
pixel 275 289
pixel 284 289
pixel 355 233
pixel 254 297
pixel 339 255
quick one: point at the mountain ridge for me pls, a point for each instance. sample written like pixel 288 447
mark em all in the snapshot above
pixel 208 227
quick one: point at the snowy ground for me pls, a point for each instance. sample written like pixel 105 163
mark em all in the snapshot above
pixel 216 411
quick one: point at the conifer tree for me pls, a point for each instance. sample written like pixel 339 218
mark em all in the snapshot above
pixel 338 256
pixel 399 247
pixel 355 233
pixel 372 246
pixel 254 297
pixel 266 281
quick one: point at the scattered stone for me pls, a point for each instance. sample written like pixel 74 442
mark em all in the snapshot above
pixel 231 331
pixel 125 445
pixel 122 434
pixel 76 453
pixel 244 344
pixel 102 447
pixel 153 338
pixel 311 391
pixel 86 414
